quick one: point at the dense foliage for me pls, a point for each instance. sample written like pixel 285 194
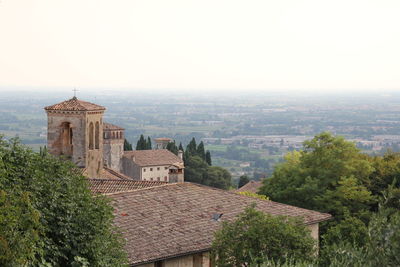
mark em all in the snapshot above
pixel 49 217
pixel 244 179
pixel 255 236
pixel 127 145
pixel 144 144
pixel 331 175
pixel 198 167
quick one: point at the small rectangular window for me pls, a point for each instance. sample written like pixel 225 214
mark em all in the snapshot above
pixel 151 169
pixel 158 178
pixel 165 168
pixel 144 170
pixel 165 178
pixel 158 168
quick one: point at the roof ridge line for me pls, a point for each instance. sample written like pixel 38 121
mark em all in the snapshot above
pixel 140 189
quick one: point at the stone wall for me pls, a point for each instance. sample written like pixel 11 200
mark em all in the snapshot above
pixel 77 122
pixel 113 150
pixel 130 169
pixel 79 150
pixel 94 160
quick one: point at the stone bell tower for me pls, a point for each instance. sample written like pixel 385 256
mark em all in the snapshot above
pixel 75 131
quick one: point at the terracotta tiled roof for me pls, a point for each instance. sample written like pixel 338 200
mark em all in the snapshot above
pixel 163 139
pixel 109 126
pixel 108 174
pixel 153 157
pixel 176 219
pixel 74 104
pixel 252 186
pixel 106 186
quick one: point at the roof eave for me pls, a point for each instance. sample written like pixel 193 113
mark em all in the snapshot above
pixel 171 257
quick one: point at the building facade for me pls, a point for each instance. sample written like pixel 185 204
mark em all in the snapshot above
pixel 153 165
pixel 76 131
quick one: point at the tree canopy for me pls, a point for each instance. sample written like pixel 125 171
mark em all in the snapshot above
pixel 127 145
pixel 331 175
pixel 48 216
pixel 255 237
pixel 143 144
pixel 244 179
pixel 198 167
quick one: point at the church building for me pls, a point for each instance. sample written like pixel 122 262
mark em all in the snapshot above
pixel 76 131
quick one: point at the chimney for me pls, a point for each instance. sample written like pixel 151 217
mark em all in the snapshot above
pixel 180 154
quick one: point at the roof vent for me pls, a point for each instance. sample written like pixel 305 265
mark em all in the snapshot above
pixel 216 217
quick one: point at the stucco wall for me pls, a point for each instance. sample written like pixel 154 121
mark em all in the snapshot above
pixel 157 171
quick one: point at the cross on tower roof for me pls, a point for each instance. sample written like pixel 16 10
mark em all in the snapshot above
pixel 75 90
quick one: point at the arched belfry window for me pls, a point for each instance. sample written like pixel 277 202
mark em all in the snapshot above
pixel 91 134
pixel 66 139
pixel 97 136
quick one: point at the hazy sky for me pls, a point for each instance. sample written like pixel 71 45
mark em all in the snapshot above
pixel 232 44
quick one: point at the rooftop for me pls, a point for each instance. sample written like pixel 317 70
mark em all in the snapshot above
pixel 109 126
pixel 154 157
pixel 252 186
pixel 74 104
pixel 176 219
pixel 106 186
pixel 163 139
pixel 108 174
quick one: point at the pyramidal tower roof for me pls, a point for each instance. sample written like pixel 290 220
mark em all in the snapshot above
pixel 74 104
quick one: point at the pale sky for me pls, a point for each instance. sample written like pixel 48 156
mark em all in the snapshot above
pixel 183 44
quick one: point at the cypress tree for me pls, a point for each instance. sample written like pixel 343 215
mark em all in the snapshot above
pixel 127 145
pixel 208 158
pixel 200 151
pixel 191 148
pixel 148 143
pixel 141 143
pixel 171 146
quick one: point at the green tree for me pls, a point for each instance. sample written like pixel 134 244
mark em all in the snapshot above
pixel 171 146
pixel 180 147
pixel 380 248
pixel 141 143
pixel 195 170
pixel 19 229
pixel 386 174
pixel 244 179
pixel 217 177
pixel 148 143
pixel 329 174
pixel 127 145
pixel 57 219
pixel 255 236
pixel 200 151
pixel 208 158
pixel 191 148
